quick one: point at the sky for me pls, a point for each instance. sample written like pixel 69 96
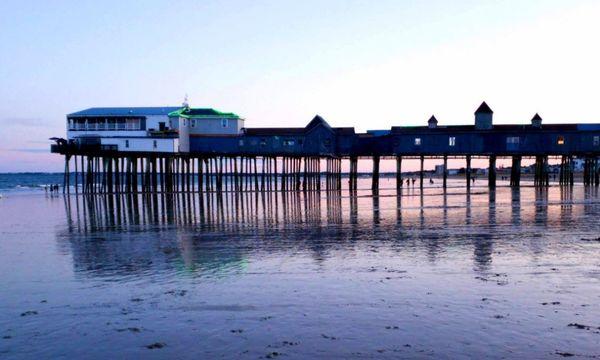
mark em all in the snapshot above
pixel 367 64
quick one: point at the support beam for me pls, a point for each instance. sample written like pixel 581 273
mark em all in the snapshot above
pixel 375 175
pixel 468 172
pixel 422 172
pixel 492 172
pixel 445 174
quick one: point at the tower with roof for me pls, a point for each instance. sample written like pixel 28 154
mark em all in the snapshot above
pixel 483 117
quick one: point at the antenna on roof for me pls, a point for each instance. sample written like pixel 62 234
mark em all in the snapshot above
pixel 185 102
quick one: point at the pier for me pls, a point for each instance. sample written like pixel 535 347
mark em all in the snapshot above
pixel 308 158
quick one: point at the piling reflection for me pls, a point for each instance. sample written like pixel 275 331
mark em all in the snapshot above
pixel 218 232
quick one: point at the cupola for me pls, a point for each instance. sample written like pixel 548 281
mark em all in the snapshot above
pixel 432 122
pixel 483 117
pixel 536 121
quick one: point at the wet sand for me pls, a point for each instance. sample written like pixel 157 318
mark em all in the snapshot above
pixel 507 274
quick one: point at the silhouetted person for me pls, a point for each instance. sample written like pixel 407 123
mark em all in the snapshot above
pixel 430 180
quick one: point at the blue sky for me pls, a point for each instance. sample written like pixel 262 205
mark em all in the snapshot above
pixel 368 64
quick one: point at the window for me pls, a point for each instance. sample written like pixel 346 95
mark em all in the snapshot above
pixel 127 143
pixel 451 141
pixel 154 144
pixel 241 142
pixel 224 123
pixel 417 141
pixel 512 143
pixel 560 140
pixel 132 124
pixel 193 123
pixel 263 142
pixel 596 140
pixel 289 142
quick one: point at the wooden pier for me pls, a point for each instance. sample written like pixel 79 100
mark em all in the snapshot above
pixel 110 173
pixel 311 157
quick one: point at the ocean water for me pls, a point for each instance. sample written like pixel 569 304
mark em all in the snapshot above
pixel 28 182
pixel 456 274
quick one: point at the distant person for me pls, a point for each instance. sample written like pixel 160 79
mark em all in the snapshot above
pixel 413 181
pixel 430 180
pixel 473 179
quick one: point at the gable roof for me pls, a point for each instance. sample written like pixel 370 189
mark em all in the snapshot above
pixel 536 117
pixel 483 109
pixel 316 121
pixel 432 119
pixel 126 111
pixel 283 131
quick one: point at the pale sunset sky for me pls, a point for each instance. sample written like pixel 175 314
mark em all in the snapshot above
pixel 367 64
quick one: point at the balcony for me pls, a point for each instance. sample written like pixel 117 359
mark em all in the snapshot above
pixel 105 127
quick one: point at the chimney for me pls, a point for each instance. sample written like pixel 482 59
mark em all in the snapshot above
pixel 536 121
pixel 432 122
pixel 483 117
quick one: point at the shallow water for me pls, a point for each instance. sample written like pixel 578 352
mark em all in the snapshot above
pixel 460 275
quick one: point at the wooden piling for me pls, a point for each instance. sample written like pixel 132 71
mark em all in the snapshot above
pixel 445 174
pixel 422 172
pixel 468 172
pixel 492 172
pixel 399 173
pixel 375 175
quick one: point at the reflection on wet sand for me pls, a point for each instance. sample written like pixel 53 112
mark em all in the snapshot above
pixel 244 275
pixel 190 229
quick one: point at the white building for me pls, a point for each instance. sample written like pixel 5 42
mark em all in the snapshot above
pixel 149 129
pixel 143 129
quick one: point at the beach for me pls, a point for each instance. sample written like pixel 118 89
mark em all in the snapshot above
pixel 495 274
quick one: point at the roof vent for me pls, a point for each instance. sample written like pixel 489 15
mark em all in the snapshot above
pixel 536 121
pixel 432 122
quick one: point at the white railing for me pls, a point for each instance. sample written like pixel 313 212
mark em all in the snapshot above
pixel 104 126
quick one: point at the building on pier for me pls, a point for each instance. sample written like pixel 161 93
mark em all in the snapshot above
pixel 148 129
pixel 126 129
pixel 202 122
pixel 205 131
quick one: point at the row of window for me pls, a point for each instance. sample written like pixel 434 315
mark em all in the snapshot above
pixel 511 140
pixel 106 125
pixel 194 122
pixel 451 141
pixel 154 144
pixel 263 142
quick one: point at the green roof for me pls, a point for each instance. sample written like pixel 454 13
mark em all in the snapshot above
pixel 195 113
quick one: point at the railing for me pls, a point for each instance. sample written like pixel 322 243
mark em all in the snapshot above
pixel 104 127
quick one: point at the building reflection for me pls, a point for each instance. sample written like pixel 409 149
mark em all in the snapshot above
pixel 217 233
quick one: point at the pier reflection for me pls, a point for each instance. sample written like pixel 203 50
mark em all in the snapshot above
pixel 218 233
